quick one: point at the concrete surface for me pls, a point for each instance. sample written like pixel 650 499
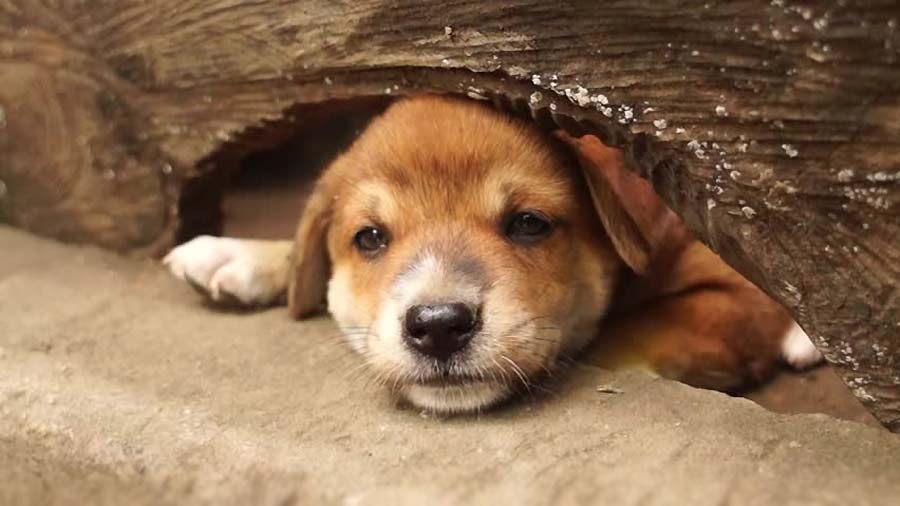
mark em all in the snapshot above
pixel 118 386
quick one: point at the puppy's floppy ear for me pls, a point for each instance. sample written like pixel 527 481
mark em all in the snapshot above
pixel 310 268
pixel 634 216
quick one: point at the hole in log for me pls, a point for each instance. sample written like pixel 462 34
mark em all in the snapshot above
pixel 269 188
pixel 255 186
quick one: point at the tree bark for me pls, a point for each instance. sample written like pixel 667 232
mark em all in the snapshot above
pixel 771 127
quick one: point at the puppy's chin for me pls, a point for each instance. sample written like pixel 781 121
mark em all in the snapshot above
pixel 456 399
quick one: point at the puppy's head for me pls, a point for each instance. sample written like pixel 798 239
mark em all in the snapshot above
pixel 465 252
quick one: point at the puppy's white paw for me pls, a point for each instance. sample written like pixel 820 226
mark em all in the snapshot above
pixel 227 270
pixel 798 350
pixel 198 259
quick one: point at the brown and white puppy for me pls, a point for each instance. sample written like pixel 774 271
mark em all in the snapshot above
pixel 463 253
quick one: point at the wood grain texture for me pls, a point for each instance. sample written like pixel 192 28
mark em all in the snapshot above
pixel 771 127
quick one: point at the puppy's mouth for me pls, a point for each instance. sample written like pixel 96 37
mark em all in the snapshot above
pixel 446 380
pixel 455 395
pixel 454 389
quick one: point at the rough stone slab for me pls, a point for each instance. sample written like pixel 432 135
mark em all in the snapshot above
pixel 117 386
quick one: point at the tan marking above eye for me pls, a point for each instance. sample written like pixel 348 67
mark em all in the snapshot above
pixel 508 190
pixel 370 202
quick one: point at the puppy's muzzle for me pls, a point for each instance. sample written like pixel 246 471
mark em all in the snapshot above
pixel 440 330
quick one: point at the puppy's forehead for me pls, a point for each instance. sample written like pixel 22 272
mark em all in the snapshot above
pixel 444 155
pixel 438 194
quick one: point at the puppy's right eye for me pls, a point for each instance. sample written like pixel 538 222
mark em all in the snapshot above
pixel 528 227
pixel 370 240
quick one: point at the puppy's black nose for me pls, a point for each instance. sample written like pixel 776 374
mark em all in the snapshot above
pixel 439 330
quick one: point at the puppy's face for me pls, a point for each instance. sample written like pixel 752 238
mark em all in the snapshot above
pixel 466 255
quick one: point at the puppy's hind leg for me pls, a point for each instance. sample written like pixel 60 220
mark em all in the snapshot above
pixel 234 271
pixel 798 350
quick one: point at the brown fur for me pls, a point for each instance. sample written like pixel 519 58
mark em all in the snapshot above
pixel 440 174
pixel 691 317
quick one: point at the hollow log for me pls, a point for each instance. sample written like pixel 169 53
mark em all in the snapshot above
pixel 771 127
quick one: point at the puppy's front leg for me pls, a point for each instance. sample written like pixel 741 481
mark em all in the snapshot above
pixel 234 271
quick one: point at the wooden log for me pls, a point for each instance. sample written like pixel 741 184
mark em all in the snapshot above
pixel 771 127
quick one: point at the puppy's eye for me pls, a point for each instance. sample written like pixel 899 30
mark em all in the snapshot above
pixel 370 240
pixel 528 226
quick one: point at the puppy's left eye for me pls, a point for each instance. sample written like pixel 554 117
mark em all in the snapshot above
pixel 370 240
pixel 528 226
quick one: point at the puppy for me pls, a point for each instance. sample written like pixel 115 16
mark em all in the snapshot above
pixel 463 253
